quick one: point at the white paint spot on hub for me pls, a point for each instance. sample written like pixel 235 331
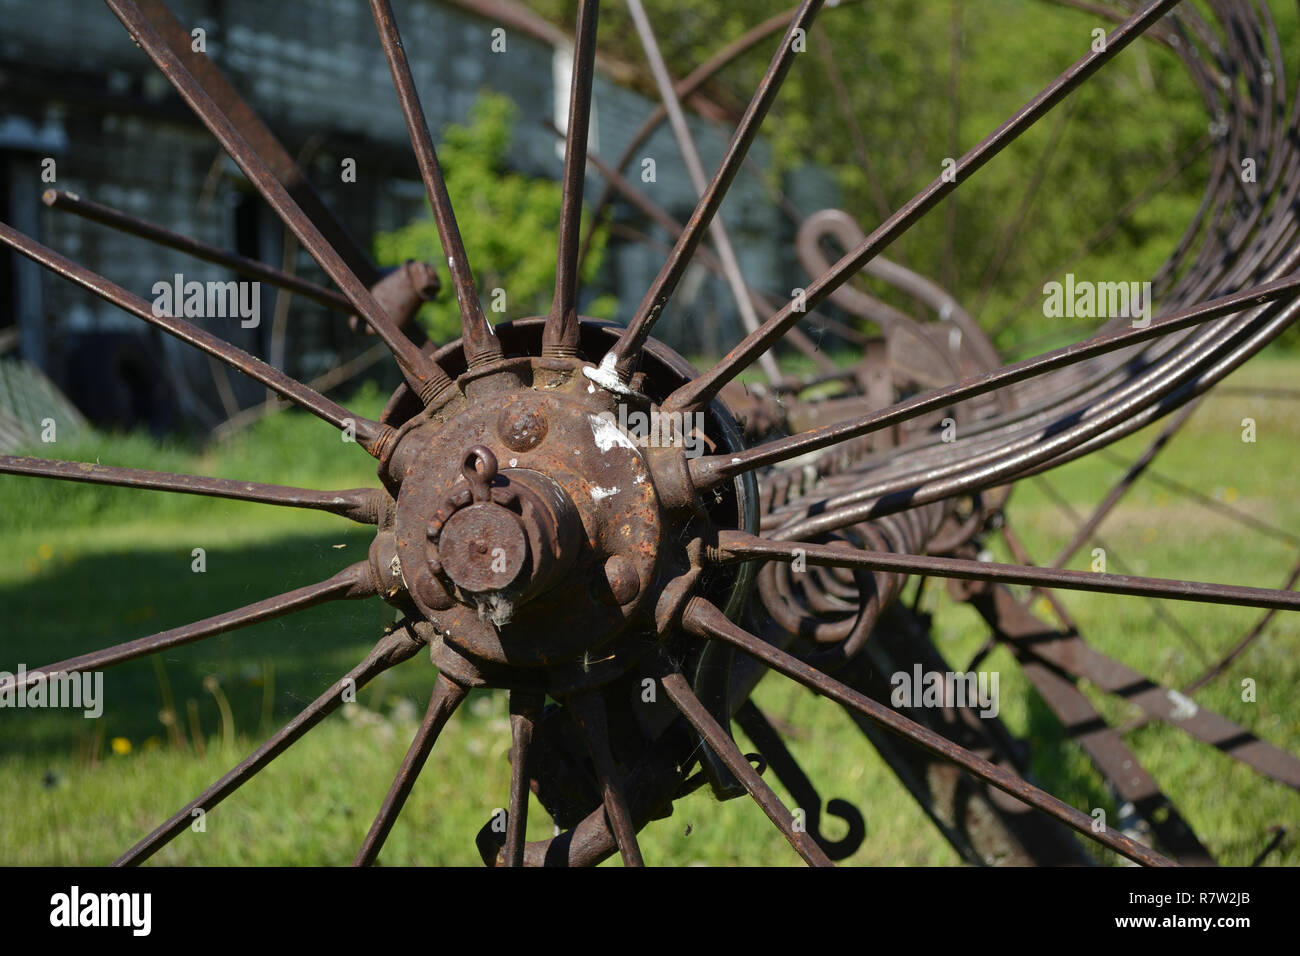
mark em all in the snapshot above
pixel 606 433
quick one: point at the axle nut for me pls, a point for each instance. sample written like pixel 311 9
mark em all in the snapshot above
pixel 483 548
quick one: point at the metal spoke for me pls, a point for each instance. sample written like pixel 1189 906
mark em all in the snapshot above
pixel 897 465
pixel 352 582
pixel 1212 504
pixel 1014 228
pixel 699 392
pixel 392 649
pixel 1011 622
pixel 422 373
pixel 661 217
pixel 1112 557
pixel 622 358
pixel 260 138
pixel 525 709
pixel 560 336
pixel 588 710
pixel 446 697
pixel 739 546
pixel 702 618
pixel 116 219
pixel 1068 653
pixel 679 692
pixel 1167 175
pixel 1249 638
pixel 684 89
pixel 1094 520
pixel 372 436
pixel 363 505
pixel 695 169
pixel 710 470
pixel 480 342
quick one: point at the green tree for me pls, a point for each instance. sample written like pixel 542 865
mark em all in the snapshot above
pixel 508 222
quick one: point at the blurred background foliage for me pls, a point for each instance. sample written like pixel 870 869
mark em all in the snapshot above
pixel 891 89
pixel 507 220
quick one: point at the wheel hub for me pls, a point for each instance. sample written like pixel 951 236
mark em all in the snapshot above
pixel 528 527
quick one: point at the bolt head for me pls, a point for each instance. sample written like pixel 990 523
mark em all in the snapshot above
pixel 620 574
pixel 522 427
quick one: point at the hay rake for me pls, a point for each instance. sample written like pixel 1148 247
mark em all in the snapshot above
pixel 532 542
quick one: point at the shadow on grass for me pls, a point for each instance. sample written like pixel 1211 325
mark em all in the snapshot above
pixel 263 674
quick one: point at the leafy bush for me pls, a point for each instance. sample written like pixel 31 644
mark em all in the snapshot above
pixel 508 222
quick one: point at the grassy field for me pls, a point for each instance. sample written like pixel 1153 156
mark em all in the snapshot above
pixel 86 567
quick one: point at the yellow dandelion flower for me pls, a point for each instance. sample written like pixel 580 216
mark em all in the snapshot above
pixel 121 746
pixel 45 552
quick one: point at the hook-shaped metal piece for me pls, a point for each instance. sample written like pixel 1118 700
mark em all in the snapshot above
pixel 479 468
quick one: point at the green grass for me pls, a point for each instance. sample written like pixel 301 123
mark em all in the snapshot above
pixel 85 567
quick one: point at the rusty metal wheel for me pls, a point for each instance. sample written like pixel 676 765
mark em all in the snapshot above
pixel 628 591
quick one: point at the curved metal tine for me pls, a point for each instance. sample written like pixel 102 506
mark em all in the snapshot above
pixel 705 620
pixel 362 505
pixel 684 88
pixel 710 470
pixel 480 342
pixel 116 219
pixel 679 692
pixel 772 748
pixel 392 649
pixel 588 711
pixel 446 697
pixel 351 582
pixel 525 709
pixel 700 391
pixel 739 546
pixel 560 335
pixel 260 139
pixel 622 358
pixel 372 436
pixel 423 374
pixel 695 169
